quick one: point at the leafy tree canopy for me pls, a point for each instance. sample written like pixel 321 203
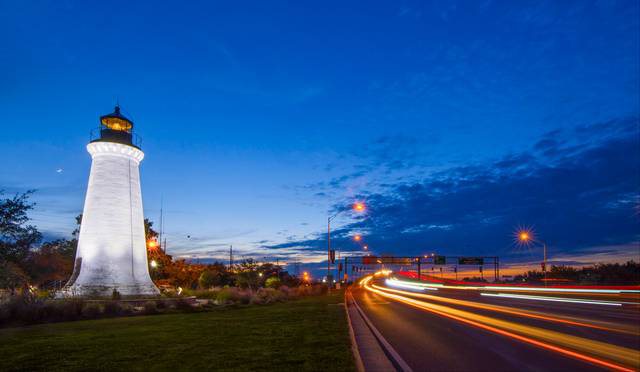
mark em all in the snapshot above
pixel 16 237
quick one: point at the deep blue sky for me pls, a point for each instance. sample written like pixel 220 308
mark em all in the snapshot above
pixel 456 121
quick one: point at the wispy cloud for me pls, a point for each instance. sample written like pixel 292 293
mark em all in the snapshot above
pixel 578 187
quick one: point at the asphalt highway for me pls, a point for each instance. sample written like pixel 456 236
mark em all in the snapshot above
pixel 475 330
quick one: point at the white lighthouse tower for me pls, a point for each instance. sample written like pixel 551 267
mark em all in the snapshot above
pixel 112 253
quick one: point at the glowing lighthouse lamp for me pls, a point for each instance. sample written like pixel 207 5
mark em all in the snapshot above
pixel 112 253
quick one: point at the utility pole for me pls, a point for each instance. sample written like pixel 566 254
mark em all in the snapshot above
pixel 329 252
pixel 230 256
pixel 337 268
pixel 161 223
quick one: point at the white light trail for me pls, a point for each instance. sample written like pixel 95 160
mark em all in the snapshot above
pixel 551 289
pixel 407 285
pixel 554 299
pixel 525 289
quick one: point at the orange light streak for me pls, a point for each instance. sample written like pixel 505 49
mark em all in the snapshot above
pixel 501 309
pixel 627 355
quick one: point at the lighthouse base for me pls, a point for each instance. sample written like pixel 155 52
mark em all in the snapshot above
pixel 107 291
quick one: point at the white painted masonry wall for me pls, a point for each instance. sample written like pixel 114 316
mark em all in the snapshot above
pixel 112 250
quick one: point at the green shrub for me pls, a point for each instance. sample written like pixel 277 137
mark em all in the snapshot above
pixel 150 307
pixel 202 293
pixel 245 297
pixel 265 296
pixel 28 310
pixel 112 308
pixel 184 305
pixel 70 309
pixel 234 295
pixel 224 296
pixel 273 282
pixel 43 294
pixel 92 311
pixel 161 304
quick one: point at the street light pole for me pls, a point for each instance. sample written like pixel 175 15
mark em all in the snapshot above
pixel 329 248
pixel 526 237
pixel 358 207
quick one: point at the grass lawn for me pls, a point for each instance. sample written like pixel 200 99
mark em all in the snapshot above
pixel 307 334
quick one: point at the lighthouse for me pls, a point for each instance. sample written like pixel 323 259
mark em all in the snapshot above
pixel 112 253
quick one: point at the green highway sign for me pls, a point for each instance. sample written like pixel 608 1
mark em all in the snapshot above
pixel 470 261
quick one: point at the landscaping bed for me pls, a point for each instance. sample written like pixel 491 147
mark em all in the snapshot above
pixel 33 309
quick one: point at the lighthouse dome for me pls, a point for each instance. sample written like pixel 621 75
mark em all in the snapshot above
pixel 115 127
pixel 116 121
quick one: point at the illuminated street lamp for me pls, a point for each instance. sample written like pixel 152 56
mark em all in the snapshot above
pixel 153 264
pixel 357 238
pixel 526 237
pixel 358 207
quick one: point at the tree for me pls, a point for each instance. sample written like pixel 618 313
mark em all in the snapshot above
pixel 207 279
pixel 16 237
pixel 215 275
pixel 76 231
pixel 52 262
pixel 247 274
pixel 12 276
pixel 149 232
pixel 180 273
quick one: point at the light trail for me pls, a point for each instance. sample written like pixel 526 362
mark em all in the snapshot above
pixel 524 313
pixel 561 290
pixel 572 346
pixel 400 284
pixel 526 289
pixel 554 299
pixel 508 310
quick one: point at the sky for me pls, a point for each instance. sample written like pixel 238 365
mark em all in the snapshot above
pixel 456 122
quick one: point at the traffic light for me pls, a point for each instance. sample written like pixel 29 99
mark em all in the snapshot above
pixel 332 256
pixel 340 267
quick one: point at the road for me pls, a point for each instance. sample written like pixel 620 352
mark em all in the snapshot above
pixel 453 329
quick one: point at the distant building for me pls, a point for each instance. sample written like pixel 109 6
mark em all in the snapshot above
pixel 112 252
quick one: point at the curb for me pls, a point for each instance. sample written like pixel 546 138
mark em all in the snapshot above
pixel 354 346
pixel 390 352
